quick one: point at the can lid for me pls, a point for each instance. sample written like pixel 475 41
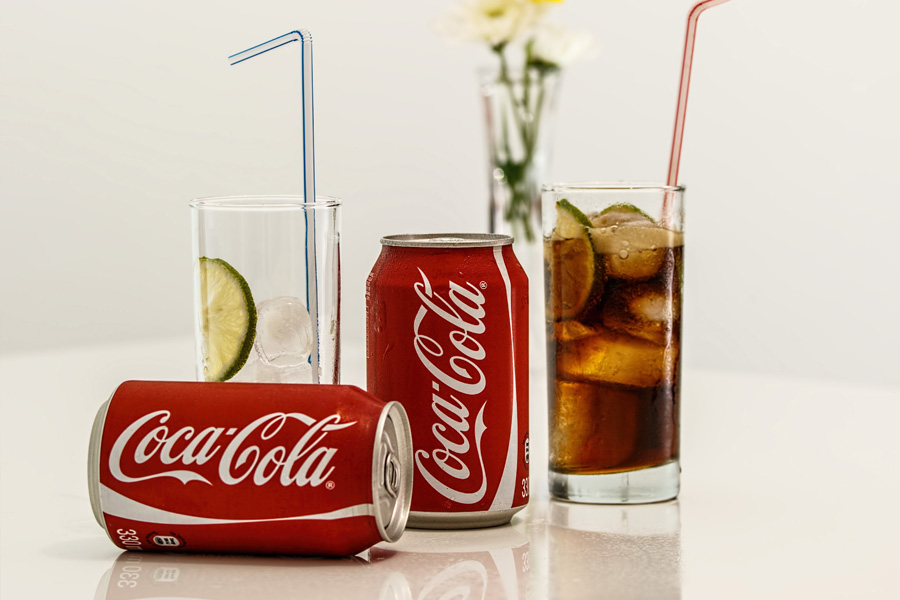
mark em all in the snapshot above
pixel 447 240
pixel 392 472
pixel 94 463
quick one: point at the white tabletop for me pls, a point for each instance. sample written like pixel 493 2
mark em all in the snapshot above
pixel 789 490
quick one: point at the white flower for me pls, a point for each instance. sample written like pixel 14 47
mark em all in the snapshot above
pixel 496 22
pixel 558 46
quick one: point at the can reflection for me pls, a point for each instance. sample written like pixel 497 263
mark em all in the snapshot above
pixel 139 575
pixel 470 564
pixel 614 551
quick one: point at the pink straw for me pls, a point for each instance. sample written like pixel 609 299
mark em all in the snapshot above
pixel 675 158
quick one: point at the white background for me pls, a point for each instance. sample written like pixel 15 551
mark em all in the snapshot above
pixel 114 114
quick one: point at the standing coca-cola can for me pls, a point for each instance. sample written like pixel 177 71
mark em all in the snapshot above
pixel 447 337
pixel 249 468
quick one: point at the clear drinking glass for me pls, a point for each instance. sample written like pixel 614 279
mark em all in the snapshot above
pixel 614 275
pixel 267 288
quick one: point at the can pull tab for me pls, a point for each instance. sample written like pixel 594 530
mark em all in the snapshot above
pixel 391 474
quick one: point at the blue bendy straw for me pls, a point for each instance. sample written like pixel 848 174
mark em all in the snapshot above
pixel 309 169
pixel 306 72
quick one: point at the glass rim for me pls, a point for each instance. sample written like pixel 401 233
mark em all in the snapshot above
pixel 616 186
pixel 251 202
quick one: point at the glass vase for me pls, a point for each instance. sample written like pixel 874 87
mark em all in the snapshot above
pixel 519 110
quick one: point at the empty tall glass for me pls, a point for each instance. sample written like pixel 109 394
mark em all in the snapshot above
pixel 267 288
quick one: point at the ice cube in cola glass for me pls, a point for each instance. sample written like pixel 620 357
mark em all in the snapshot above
pixel 613 277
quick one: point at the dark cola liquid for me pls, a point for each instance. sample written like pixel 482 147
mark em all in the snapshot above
pixel 613 350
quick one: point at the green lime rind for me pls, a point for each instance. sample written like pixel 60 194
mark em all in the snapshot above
pixel 572 276
pixel 571 223
pixel 624 207
pixel 572 267
pixel 574 211
pixel 229 325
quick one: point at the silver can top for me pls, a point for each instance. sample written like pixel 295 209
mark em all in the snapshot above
pixel 447 240
pixel 392 472
pixel 94 463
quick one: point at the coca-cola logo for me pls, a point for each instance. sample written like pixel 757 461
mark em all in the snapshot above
pixel 248 453
pixel 452 431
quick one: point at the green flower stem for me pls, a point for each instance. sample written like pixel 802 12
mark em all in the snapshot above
pixel 526 119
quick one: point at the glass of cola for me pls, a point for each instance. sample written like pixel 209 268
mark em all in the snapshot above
pixel 613 257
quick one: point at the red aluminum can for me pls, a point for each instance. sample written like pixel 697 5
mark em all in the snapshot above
pixel 447 337
pixel 249 468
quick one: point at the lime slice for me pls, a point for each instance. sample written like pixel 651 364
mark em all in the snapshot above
pixel 227 319
pixel 617 214
pixel 572 270
pixel 570 221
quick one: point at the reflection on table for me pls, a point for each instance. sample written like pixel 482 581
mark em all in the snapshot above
pixel 479 563
pixel 137 575
pixel 612 551
pixel 576 551
pixel 490 563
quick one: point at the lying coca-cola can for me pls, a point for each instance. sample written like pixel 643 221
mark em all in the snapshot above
pixel 249 468
pixel 447 337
